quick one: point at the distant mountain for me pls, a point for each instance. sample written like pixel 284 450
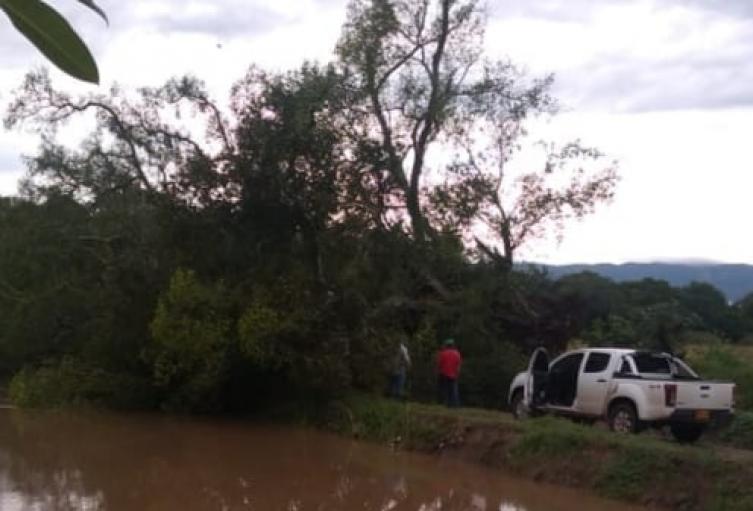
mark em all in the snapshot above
pixel 734 280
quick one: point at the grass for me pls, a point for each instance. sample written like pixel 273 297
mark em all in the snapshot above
pixel 740 433
pixel 547 438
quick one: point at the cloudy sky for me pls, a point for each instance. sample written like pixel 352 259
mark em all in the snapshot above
pixel 664 86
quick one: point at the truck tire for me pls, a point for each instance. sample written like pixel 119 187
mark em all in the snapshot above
pixel 623 418
pixel 518 407
pixel 686 433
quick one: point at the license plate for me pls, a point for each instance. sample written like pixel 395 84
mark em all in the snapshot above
pixel 702 415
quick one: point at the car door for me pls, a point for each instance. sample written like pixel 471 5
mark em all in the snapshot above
pixel 562 381
pixel 593 383
pixel 538 369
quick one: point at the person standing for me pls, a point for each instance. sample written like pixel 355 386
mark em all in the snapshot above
pixel 400 365
pixel 448 369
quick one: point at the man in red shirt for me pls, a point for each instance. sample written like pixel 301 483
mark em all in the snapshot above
pixel 448 368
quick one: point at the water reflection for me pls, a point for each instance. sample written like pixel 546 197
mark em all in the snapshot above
pixel 57 461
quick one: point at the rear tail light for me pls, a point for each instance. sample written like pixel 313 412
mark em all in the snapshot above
pixel 670 395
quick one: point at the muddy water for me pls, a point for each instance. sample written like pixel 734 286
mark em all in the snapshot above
pixel 64 461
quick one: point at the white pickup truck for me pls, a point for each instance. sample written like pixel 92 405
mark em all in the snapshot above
pixel 630 389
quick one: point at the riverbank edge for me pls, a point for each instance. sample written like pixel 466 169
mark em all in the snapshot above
pixel 638 469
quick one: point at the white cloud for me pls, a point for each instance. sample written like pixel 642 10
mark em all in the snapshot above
pixel 636 56
pixel 685 189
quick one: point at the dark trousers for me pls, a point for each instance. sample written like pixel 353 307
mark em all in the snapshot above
pixel 397 384
pixel 449 394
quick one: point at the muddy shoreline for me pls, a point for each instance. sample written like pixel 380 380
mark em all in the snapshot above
pixel 644 469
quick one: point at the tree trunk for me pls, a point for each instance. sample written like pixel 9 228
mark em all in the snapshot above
pixel 418 222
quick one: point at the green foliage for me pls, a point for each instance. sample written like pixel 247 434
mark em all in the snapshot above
pixel 614 330
pixel 740 432
pixel 487 376
pixel 257 328
pixel 628 474
pixel 192 336
pixel 72 382
pixel 44 27
pixel 548 438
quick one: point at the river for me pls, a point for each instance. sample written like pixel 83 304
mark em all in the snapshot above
pixel 101 461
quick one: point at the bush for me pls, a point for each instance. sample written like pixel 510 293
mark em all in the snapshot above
pixel 485 379
pixel 72 382
pixel 191 333
pixel 740 432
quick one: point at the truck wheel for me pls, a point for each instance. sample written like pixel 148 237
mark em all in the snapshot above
pixel 623 418
pixel 519 408
pixel 686 433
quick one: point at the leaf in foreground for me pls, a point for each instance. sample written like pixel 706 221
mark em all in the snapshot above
pixel 53 36
pixel 94 7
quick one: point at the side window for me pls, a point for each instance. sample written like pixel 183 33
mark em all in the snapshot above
pixel 650 363
pixel 597 362
pixel 625 367
pixel 570 363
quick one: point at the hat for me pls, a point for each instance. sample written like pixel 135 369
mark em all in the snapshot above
pixel 449 342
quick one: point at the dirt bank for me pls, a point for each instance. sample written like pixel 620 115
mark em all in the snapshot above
pixel 644 469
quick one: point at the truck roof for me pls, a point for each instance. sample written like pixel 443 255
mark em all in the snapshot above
pixel 621 351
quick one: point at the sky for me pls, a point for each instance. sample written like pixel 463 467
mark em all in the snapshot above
pixel 663 86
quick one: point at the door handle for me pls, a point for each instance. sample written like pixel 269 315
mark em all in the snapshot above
pixel 601 380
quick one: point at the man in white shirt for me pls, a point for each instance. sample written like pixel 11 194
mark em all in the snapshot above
pixel 399 371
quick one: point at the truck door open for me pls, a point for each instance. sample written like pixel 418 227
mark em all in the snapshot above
pixel 536 378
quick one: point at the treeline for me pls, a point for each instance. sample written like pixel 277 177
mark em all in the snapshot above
pixel 102 303
pixel 140 304
pixel 190 256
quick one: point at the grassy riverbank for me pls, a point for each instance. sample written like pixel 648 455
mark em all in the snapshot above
pixel 643 469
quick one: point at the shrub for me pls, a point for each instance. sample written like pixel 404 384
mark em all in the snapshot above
pixel 485 379
pixel 740 432
pixel 73 382
pixel 191 331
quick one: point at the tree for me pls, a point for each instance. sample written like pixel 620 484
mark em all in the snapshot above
pixel 537 201
pixel 296 174
pixel 419 71
pixel 711 306
pixel 136 145
pixel 583 298
pixel 411 63
pixel 744 311
pixel 46 29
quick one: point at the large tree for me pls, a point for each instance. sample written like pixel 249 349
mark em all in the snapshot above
pixel 447 121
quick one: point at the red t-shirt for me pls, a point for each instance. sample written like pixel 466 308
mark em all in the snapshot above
pixel 448 363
